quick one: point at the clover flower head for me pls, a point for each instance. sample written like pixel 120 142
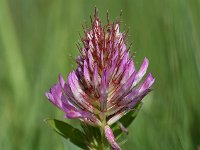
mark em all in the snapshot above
pixel 106 85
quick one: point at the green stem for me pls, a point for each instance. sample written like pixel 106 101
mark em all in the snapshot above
pixel 103 119
pixel 102 138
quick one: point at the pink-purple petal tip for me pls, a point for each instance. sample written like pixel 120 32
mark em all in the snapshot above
pixel 110 137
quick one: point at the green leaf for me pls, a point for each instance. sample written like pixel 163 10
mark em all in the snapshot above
pixel 130 116
pixel 126 120
pixel 68 132
pixel 94 136
pixel 122 139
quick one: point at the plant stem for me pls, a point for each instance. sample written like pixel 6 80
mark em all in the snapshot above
pixel 103 119
pixel 102 138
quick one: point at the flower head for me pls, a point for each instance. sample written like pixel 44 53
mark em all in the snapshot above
pixel 106 85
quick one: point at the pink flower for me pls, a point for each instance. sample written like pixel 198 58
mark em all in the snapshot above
pixel 105 86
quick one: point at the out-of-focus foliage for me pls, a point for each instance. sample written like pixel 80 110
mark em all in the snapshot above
pixel 37 41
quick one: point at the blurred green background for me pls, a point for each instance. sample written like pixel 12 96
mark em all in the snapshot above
pixel 37 41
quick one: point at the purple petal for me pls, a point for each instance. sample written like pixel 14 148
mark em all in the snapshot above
pixel 81 97
pixel 91 60
pixel 141 72
pixel 131 100
pixel 121 91
pixel 91 117
pixel 95 76
pixel 131 67
pixel 55 95
pixel 127 73
pixel 85 116
pixel 73 114
pixel 68 93
pixel 102 58
pixel 112 69
pixel 58 99
pixel 104 90
pixel 86 73
pixel 117 116
pixel 147 83
pixel 122 65
pixel 137 99
pixel 115 55
pixel 123 48
pixel 49 97
pixel 110 137
pixel 143 87
pixel 61 81
pixel 143 90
